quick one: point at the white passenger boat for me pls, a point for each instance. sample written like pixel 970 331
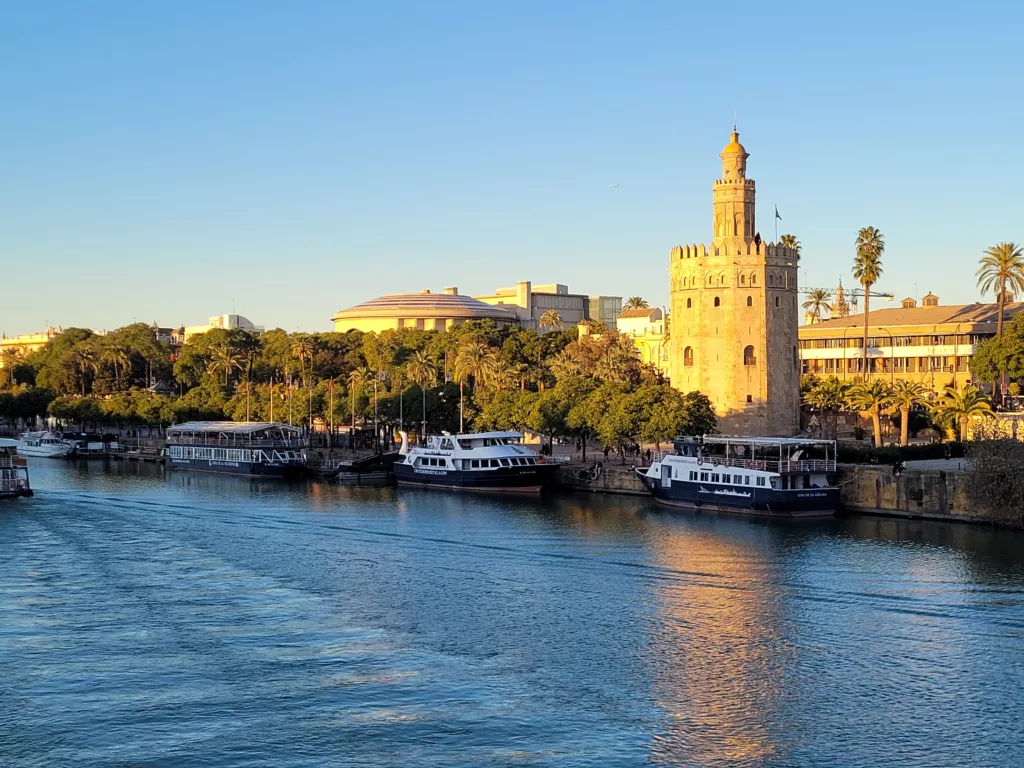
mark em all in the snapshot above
pixel 13 474
pixel 45 445
pixel 486 461
pixel 767 476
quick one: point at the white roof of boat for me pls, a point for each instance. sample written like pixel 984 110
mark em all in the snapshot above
pixel 766 440
pixel 238 427
pixel 491 435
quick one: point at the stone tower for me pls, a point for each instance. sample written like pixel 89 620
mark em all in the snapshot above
pixel 735 312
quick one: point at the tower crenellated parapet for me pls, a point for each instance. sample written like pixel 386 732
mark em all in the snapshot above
pixel 735 310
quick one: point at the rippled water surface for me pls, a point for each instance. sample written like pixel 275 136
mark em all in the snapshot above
pixel 195 620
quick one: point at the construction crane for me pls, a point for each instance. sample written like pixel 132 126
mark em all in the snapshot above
pixel 852 296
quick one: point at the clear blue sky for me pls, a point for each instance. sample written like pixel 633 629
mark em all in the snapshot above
pixel 161 160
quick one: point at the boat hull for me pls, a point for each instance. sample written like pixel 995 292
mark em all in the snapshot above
pixel 762 502
pixel 531 479
pixel 59 452
pixel 244 468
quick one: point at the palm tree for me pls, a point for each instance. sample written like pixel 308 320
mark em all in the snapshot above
pixel 791 241
pixel 422 370
pixel 564 364
pixel 119 359
pixel 1002 268
pixel 474 362
pixel 830 397
pixel 636 302
pixel 872 398
pixel 550 320
pixel 867 268
pixel 84 362
pixel 356 379
pixel 223 358
pixel 905 395
pixel 818 301
pixel 304 349
pixel 960 407
pixel 9 358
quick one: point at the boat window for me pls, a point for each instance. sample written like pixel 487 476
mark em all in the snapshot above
pixel 531 461
pixel 446 445
pixel 714 477
pixel 465 444
pixel 775 482
pixel 726 479
pixel 474 464
pixel 506 463
pixel 760 481
pixel 746 480
pixel 693 475
pixel 704 476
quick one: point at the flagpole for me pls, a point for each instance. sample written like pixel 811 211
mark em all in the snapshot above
pixel 776 223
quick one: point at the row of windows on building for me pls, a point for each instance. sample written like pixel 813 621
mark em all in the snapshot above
pixel 774 281
pixel 425 461
pixel 718 302
pixel 960 364
pixel 930 340
pixel 217 454
pixel 748 356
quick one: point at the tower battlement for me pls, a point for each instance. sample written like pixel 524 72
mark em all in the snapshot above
pixel 735 311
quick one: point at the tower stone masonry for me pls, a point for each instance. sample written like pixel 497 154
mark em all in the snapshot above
pixel 735 312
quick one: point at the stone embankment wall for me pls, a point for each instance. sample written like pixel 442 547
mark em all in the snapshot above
pixel 921 493
pixel 928 493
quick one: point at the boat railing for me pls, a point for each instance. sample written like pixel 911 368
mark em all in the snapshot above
pixel 773 465
pixel 14 484
pixel 225 443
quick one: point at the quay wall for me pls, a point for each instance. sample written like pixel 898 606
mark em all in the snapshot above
pixel 916 493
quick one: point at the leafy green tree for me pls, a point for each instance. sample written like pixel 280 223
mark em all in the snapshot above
pixel 867 268
pixel 223 359
pixel 829 396
pixel 9 358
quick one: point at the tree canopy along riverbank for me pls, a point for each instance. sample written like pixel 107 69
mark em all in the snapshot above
pixel 589 385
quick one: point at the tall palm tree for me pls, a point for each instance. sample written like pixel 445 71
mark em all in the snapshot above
pixel 829 396
pixel 223 358
pixel 791 241
pixel 905 395
pixel 818 301
pixel 564 364
pixel 872 398
pixel 636 302
pixel 958 408
pixel 85 361
pixel 119 359
pixel 9 357
pixel 303 349
pixel 867 268
pixel 422 370
pixel 474 362
pixel 550 320
pixel 1002 268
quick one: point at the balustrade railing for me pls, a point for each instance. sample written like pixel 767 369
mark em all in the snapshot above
pixel 773 465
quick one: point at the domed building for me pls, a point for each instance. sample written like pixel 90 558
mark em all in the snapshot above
pixel 424 311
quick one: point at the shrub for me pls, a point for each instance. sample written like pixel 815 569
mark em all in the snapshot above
pixel 994 483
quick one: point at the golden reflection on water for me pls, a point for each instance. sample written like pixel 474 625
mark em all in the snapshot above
pixel 719 660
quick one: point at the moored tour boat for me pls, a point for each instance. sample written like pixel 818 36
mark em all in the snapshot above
pixel 766 476
pixel 486 461
pixel 13 474
pixel 266 449
pixel 44 445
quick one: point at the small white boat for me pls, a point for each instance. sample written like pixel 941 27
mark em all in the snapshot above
pixel 45 445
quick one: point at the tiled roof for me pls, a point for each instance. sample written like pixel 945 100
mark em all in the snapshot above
pixel 644 312
pixel 902 316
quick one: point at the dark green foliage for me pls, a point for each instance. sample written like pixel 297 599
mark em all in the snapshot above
pixel 994 483
pixel 864 453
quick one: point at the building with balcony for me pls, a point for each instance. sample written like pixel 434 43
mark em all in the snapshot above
pixel 932 344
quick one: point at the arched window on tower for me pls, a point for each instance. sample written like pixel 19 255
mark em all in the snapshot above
pixel 689 303
pixel 771 279
pixel 753 279
pixel 750 301
pixel 776 302
pixel 743 279
pixel 718 301
pixel 711 279
pixel 748 355
pixel 721 279
pixel 688 357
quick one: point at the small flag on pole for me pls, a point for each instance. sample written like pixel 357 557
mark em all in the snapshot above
pixel 777 213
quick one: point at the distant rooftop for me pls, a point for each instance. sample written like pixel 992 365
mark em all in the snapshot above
pixel 928 315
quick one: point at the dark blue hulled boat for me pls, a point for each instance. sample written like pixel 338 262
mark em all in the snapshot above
pixel 486 461
pixel 264 449
pixel 767 476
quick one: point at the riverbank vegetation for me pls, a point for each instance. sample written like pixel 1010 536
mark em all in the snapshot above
pixel 565 383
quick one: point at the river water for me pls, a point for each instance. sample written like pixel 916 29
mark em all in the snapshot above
pixel 194 620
